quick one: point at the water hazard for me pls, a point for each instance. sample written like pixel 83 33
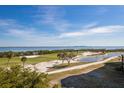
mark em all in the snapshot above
pixel 96 58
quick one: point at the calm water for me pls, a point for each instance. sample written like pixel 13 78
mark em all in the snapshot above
pixel 57 48
pixel 99 57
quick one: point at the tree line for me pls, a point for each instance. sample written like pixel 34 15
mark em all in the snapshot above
pixel 41 52
pixel 27 53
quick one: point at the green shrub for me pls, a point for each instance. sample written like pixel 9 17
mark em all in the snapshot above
pixel 16 77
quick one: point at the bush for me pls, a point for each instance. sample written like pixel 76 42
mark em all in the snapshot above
pixel 16 77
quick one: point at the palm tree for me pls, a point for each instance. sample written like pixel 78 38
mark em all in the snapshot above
pixel 23 59
pixel 9 55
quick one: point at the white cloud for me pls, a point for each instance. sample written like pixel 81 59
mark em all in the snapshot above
pixel 25 34
pixel 72 34
pixel 12 28
pixel 7 22
pixel 22 35
pixel 90 25
pixel 53 16
pixel 107 29
pixel 94 30
pixel 32 36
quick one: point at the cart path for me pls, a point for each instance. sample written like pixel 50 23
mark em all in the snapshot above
pixel 81 66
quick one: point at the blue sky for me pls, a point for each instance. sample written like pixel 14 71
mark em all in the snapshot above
pixel 62 25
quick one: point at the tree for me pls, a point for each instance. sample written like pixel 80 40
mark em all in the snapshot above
pixel 62 56
pixel 23 59
pixel 9 55
pixel 65 56
pixel 15 78
pixel 70 57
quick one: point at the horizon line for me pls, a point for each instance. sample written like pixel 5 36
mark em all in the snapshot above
pixel 70 46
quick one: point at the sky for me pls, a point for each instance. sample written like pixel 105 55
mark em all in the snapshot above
pixel 62 25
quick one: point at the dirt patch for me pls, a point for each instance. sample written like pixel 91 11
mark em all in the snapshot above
pixel 56 78
pixel 103 77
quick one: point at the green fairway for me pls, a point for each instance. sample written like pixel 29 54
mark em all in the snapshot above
pixel 42 58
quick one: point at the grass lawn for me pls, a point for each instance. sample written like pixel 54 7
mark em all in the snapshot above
pixel 42 58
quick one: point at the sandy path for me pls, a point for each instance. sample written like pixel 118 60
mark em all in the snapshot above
pixel 31 56
pixel 82 66
pixel 44 66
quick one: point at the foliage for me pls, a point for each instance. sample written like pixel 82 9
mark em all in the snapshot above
pixel 9 55
pixel 37 52
pixel 23 59
pixel 66 56
pixel 15 77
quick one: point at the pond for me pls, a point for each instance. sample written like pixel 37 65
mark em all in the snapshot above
pixel 96 58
